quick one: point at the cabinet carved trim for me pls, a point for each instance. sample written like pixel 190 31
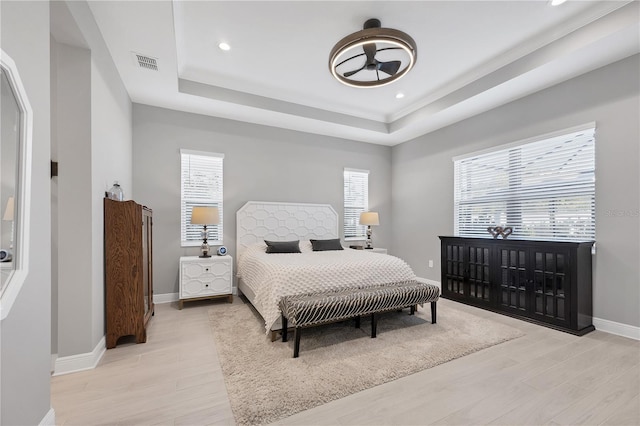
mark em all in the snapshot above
pixel 541 281
pixel 127 270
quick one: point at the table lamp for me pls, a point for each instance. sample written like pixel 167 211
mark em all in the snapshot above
pixel 369 219
pixel 205 216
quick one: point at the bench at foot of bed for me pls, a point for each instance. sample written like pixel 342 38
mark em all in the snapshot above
pixel 307 310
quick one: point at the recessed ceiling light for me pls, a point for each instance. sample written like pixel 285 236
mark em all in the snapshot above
pixel 557 2
pixel 399 95
pixel 224 46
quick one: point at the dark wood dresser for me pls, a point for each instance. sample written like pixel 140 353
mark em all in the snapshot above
pixel 127 270
pixel 540 281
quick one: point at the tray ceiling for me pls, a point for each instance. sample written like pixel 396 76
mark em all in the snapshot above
pixel 472 56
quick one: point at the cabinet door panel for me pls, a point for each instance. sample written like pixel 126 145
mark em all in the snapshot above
pixel 478 280
pixel 551 285
pixel 453 264
pixel 147 264
pixel 513 279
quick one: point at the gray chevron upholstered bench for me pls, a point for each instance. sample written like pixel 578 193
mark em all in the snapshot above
pixel 306 310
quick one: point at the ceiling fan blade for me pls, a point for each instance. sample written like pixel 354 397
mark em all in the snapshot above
pixel 390 67
pixel 370 51
pixel 389 48
pixel 348 59
pixel 350 73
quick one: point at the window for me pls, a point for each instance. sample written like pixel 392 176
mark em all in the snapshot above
pixel 543 189
pixel 201 185
pixel 356 201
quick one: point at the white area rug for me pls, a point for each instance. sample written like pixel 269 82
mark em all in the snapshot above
pixel 265 383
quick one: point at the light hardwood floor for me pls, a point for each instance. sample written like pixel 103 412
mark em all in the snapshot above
pixel 544 378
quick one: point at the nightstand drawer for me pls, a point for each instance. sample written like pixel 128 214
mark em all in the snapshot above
pixel 202 277
pixel 204 286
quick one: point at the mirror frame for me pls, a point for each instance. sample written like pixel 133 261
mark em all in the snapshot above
pixel 23 195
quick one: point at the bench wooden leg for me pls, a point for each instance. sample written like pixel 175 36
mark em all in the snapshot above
pixel 284 327
pixel 433 312
pixel 296 338
pixel 358 321
pixel 412 310
pixel 374 325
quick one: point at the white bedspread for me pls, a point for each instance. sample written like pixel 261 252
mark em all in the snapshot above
pixel 272 276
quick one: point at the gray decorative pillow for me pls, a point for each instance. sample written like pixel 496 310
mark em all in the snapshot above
pixel 325 245
pixel 283 246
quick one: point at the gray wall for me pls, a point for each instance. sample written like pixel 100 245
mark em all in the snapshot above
pixel 54 198
pixel 111 149
pixel 93 132
pixel 71 102
pixel 25 335
pixel 422 177
pixel 261 163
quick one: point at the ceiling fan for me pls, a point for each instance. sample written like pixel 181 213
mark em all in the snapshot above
pixel 366 44
pixel 370 50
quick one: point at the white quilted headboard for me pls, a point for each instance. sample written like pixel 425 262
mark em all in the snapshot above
pixel 259 220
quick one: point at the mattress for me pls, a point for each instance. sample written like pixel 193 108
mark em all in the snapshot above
pixel 272 276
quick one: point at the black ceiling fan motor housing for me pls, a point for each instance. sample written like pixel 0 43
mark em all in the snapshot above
pixel 372 23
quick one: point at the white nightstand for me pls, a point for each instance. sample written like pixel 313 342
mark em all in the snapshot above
pixel 377 250
pixel 205 278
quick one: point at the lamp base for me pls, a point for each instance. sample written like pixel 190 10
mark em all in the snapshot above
pixel 205 249
pixel 369 241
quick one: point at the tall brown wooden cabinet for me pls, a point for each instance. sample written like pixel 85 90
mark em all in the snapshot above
pixel 127 270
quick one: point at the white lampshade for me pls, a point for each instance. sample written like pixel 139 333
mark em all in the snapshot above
pixel 205 216
pixel 369 218
pixel 8 212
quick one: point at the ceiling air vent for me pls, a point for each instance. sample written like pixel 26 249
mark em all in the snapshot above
pixel 146 62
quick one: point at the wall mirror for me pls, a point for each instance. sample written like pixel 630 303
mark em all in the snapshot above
pixel 16 121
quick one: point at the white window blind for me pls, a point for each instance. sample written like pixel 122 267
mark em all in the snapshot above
pixel 201 185
pixel 356 201
pixel 543 189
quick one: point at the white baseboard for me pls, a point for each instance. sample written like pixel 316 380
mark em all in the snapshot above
pixel 607 326
pixel 617 328
pixel 49 419
pixel 80 362
pixel 165 298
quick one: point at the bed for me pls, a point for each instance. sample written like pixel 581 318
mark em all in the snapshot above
pixel 265 278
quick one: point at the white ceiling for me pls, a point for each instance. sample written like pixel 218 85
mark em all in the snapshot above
pixel 472 56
